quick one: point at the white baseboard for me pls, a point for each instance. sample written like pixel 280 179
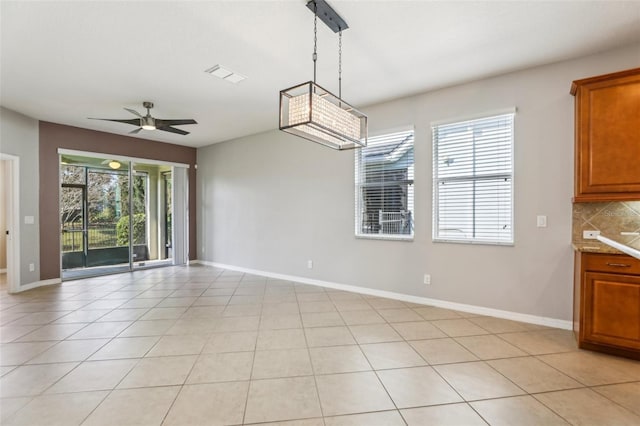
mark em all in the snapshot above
pixel 40 283
pixel 473 309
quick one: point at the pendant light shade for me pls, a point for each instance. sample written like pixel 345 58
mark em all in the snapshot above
pixel 313 113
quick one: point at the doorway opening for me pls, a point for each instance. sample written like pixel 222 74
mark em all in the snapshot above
pixel 115 215
pixel 9 223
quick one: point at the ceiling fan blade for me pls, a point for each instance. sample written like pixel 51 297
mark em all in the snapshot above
pixel 134 112
pixel 136 131
pixel 133 121
pixel 172 130
pixel 177 122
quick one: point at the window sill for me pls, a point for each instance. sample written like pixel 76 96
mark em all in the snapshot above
pixel 408 238
pixel 479 243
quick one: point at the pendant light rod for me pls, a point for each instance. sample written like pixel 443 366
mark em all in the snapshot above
pixel 327 15
pixel 315 39
pixel 340 65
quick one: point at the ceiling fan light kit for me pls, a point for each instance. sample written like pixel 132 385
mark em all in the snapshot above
pixel 309 111
pixel 148 122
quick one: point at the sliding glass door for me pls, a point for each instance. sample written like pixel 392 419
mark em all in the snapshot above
pixel 107 205
pixel 73 219
pixel 94 207
pixel 116 215
pixel 150 221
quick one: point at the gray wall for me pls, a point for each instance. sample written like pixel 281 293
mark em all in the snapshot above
pixel 271 201
pixel 19 137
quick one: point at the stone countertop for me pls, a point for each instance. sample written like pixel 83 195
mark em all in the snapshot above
pixel 595 247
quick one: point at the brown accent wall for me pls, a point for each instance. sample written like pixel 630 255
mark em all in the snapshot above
pixel 54 136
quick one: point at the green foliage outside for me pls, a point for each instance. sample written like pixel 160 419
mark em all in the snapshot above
pixel 139 229
pixel 106 192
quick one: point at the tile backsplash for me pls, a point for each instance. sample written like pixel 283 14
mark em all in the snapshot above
pixel 610 219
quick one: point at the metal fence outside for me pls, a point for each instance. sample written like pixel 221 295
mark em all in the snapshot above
pixel 102 235
pixel 384 222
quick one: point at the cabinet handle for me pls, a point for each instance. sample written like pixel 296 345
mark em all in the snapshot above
pixel 619 265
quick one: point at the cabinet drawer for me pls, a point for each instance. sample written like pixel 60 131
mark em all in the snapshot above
pixel 613 263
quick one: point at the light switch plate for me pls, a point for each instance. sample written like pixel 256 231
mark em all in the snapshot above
pixel 29 220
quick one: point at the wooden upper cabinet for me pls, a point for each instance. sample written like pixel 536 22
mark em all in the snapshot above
pixel 607 137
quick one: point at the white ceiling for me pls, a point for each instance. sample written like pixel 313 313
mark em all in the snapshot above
pixel 66 61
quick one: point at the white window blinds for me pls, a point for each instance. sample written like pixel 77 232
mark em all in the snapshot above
pixel 473 180
pixel 384 186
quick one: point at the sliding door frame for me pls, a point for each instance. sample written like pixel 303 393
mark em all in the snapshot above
pixel 180 234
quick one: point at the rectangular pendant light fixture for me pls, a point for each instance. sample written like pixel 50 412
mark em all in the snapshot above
pixel 312 112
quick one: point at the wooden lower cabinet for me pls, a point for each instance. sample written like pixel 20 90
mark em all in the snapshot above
pixel 609 304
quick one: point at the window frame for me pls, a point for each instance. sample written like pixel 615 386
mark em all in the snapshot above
pixel 435 180
pixel 358 185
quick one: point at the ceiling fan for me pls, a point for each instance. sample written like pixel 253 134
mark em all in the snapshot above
pixel 147 122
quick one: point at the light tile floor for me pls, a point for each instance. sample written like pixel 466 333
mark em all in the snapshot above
pixel 204 346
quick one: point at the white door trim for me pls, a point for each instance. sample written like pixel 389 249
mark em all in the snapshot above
pixel 12 210
pixel 62 151
pixel 180 215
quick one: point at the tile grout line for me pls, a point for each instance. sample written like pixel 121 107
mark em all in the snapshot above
pixel 369 361
pixel 253 361
pixel 313 370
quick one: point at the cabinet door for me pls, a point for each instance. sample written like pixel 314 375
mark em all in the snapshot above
pixel 611 312
pixel 608 139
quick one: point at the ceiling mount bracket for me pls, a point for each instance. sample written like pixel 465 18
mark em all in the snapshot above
pixel 327 15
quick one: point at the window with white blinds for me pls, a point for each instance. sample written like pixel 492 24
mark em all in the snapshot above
pixel 473 180
pixel 384 186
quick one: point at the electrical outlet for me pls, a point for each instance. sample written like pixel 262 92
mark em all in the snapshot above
pixel 310 264
pixel 32 267
pixel 541 221
pixel 590 235
pixel 427 279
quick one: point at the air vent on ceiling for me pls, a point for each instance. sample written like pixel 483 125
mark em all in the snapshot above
pixel 225 74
